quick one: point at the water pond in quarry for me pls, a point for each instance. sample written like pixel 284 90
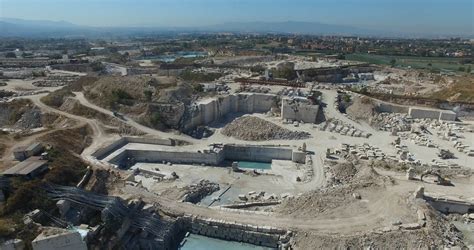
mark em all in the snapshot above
pixel 169 58
pixel 198 242
pixel 254 165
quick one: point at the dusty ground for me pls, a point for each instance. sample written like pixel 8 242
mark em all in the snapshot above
pixel 323 213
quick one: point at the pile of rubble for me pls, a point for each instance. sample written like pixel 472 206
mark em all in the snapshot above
pixel 463 148
pixel 55 81
pixel 201 132
pixel 362 152
pixel 340 127
pixel 5 95
pixel 307 169
pixel 253 197
pixel 339 173
pixel 250 128
pixel 391 122
pixel 419 139
pixel 454 133
pixel 196 192
pixel 291 92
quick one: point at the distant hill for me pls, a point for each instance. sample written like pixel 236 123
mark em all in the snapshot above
pixel 20 27
pixel 45 28
pixel 38 23
pixel 292 27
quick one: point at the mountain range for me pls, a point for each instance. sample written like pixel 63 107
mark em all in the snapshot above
pixel 12 27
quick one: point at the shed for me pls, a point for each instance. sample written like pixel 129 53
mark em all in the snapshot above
pixel 30 168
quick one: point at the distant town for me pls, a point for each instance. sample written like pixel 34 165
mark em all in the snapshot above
pixel 233 140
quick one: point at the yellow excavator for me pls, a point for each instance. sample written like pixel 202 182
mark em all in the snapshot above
pixel 440 179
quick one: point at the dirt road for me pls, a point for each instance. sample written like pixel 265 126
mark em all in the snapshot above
pixel 83 101
pixel 378 209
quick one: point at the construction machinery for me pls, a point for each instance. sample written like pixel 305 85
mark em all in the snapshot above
pixel 440 179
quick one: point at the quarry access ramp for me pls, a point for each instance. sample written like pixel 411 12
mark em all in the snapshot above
pixel 379 213
pixel 79 96
pixel 375 212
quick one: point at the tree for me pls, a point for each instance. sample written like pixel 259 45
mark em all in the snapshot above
pixel 148 95
pixel 155 119
pixel 346 98
pixel 97 66
pixel 393 62
pixel 10 55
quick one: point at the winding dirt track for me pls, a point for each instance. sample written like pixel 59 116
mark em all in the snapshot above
pixel 98 133
pixel 380 210
pixel 83 101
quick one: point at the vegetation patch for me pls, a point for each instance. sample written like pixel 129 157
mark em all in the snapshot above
pixel 189 75
pixel 428 63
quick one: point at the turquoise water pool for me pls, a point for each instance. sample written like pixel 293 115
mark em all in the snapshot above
pixel 172 57
pixel 255 165
pixel 198 242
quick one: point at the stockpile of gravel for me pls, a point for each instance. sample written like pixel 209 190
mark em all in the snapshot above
pixel 251 128
pixel 361 109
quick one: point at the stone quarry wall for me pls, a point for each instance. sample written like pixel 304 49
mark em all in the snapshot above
pixel 448 116
pixel 154 141
pixel 257 235
pixel 417 112
pixel 229 152
pixel 450 206
pixel 69 240
pixel 298 111
pixel 391 108
pixel 212 110
pixel 432 114
pixel 256 153
pixel 107 150
pixel 423 113
pixel 208 158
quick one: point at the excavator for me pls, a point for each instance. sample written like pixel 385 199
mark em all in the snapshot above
pixel 440 179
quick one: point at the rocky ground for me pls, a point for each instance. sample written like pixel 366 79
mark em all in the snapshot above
pixel 251 128
pixel 362 108
pixel 358 186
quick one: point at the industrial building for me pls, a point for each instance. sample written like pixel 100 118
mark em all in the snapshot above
pixel 28 168
pixel 21 153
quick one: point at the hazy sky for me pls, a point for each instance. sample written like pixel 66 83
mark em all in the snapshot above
pixel 453 16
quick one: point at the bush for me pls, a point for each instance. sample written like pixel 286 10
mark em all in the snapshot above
pixel 6 228
pixel 155 119
pixel 287 73
pixel 120 96
pixel 198 88
pixel 257 69
pixel 148 95
pixel 188 75
pixel 10 55
pixel 56 98
pixel 346 98
pixel 65 169
pixel 97 66
pixel 27 197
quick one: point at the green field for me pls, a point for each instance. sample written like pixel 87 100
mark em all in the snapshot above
pixel 437 63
